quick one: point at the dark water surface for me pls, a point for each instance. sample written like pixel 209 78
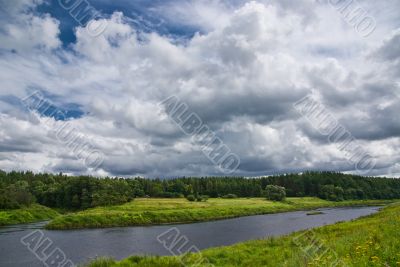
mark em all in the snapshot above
pixel 83 245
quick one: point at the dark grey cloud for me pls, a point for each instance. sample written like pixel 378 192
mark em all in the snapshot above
pixel 261 108
pixel 390 50
pixel 13 145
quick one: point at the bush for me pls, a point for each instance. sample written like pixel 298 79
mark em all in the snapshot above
pixel 275 192
pixel 191 198
pixel 230 196
pixel 202 198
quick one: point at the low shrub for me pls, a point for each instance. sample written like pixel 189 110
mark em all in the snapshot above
pixel 191 198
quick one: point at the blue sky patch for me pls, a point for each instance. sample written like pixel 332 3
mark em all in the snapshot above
pixel 45 105
pixel 140 14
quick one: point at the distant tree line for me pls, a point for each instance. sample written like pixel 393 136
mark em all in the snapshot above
pixel 80 192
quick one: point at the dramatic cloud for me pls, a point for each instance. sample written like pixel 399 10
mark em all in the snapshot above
pixel 241 71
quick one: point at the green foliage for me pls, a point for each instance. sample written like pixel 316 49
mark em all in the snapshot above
pixel 331 192
pixel 191 198
pixel 16 195
pixel 275 192
pixel 18 189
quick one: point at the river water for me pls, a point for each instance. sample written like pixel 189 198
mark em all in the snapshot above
pixel 83 245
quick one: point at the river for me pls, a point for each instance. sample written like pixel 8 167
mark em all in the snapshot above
pixel 83 245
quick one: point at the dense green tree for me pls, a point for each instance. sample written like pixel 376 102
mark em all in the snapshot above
pixel 331 192
pixel 275 192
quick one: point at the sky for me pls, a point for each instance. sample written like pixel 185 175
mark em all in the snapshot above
pixel 239 66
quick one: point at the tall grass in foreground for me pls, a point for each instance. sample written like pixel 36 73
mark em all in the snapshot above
pixel 370 241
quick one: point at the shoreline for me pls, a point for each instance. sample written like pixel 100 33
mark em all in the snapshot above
pixel 98 218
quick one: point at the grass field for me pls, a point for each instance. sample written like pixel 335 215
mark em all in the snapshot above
pixel 163 211
pixel 30 214
pixel 370 241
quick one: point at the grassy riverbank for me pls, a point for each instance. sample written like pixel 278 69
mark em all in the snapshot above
pixel 30 214
pixel 165 211
pixel 368 241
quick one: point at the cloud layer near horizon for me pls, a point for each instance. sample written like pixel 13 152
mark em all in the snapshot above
pixel 242 74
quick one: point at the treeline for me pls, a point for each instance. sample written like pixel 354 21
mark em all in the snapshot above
pixel 72 192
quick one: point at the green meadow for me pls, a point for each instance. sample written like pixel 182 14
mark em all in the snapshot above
pixel 369 241
pixel 33 213
pixel 151 211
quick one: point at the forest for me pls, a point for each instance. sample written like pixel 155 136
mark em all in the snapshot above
pixel 18 189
